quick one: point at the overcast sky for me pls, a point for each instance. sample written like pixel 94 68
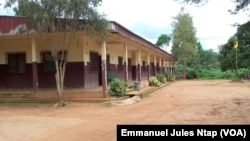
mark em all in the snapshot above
pixel 151 18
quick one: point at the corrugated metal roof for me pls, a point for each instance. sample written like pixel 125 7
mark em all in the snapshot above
pixel 12 25
pixel 118 28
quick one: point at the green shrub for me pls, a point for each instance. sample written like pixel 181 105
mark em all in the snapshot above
pixel 131 85
pixel 228 74
pixel 214 73
pixel 168 75
pixel 63 102
pixel 117 87
pixel 153 81
pixel 161 78
pixel 191 74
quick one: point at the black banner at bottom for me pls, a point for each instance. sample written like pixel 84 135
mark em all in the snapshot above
pixel 175 132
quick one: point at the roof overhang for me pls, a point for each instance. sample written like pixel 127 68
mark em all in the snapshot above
pixel 14 25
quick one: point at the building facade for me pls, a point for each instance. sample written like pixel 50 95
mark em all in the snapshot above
pixel 26 63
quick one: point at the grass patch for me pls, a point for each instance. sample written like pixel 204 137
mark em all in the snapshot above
pixel 63 103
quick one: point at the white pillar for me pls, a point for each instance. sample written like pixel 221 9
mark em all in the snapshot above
pixel 126 62
pixel 104 68
pixel 139 65
pixel 34 65
pixel 33 50
pixel 148 63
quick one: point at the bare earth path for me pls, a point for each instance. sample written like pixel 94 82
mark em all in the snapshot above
pixel 192 102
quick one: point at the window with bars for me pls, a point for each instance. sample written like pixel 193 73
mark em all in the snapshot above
pixel 17 62
pixel 48 61
pixel 120 65
pixel 94 62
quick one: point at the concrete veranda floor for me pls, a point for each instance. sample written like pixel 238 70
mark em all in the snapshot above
pixel 76 95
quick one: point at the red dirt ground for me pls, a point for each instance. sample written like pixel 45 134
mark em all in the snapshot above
pixel 181 102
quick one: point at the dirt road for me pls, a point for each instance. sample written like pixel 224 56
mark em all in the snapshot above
pixel 192 102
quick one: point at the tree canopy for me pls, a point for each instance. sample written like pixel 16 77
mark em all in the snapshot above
pixel 204 64
pixel 228 52
pixel 184 38
pixel 163 40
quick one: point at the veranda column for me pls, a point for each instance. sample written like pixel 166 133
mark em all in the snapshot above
pixel 126 62
pixel 104 68
pixel 148 63
pixel 34 65
pixel 160 65
pixel 155 66
pixel 139 65
pixel 164 66
pixel 167 63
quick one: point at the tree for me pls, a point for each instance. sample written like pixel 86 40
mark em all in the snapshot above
pixel 62 20
pixel 243 35
pixel 184 39
pixel 227 51
pixel 206 58
pixel 199 49
pixel 209 59
pixel 227 55
pixel 163 40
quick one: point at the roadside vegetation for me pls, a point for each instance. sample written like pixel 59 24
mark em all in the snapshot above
pixel 208 64
pixel 230 61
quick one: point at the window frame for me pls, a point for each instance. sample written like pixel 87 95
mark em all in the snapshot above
pixel 94 64
pixel 42 53
pixel 18 68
